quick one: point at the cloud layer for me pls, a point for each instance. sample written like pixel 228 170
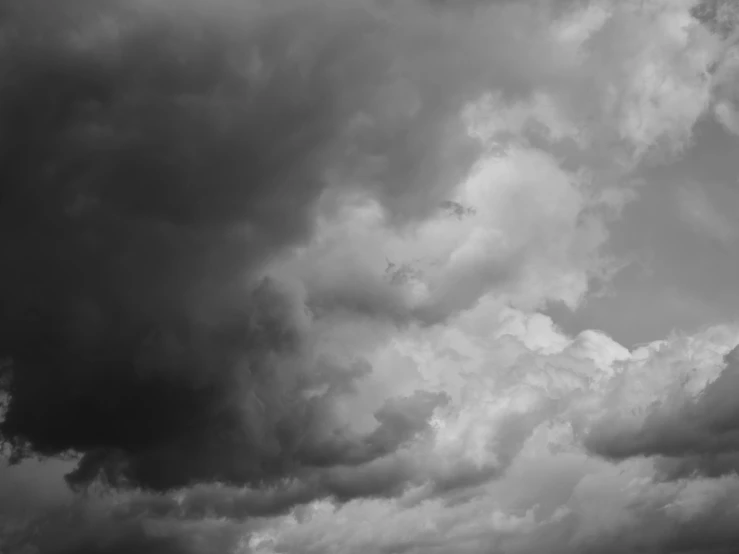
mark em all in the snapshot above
pixel 275 274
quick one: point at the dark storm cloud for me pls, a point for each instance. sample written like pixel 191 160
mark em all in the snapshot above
pixel 152 156
pixel 711 530
pixel 698 436
pixel 344 470
pixel 707 465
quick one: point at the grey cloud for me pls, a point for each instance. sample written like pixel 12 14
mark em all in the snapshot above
pixel 697 465
pixel 695 436
pixel 79 529
pixel 718 15
pixel 369 467
pixel 154 155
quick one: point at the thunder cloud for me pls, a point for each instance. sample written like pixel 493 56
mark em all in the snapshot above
pixel 275 277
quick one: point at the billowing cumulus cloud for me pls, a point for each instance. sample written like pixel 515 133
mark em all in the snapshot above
pixel 275 277
pixel 696 433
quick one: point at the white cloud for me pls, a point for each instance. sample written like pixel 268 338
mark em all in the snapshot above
pixel 552 492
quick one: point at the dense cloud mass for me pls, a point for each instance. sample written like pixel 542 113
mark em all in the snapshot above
pixel 697 434
pixel 275 274
pixel 154 157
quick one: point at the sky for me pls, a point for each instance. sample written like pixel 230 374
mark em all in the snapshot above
pixel 369 276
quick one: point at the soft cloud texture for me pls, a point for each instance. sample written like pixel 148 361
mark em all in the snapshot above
pixel 278 273
pixel 698 211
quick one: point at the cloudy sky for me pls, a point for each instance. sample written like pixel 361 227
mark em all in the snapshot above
pixel 369 276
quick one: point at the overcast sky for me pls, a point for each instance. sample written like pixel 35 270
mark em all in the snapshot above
pixel 369 277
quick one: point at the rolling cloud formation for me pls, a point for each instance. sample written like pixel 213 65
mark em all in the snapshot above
pixel 275 273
